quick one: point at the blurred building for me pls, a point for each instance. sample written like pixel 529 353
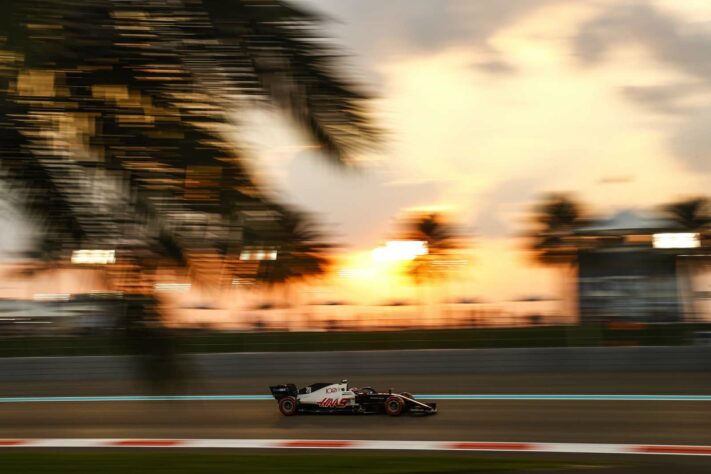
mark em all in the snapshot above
pixel 55 314
pixel 637 267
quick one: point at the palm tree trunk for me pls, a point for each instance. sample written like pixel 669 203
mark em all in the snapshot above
pixel 685 277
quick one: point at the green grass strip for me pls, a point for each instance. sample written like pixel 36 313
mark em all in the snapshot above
pixel 214 463
pixel 468 338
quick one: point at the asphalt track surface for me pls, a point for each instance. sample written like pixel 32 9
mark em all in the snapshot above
pixel 584 421
pixel 577 421
pixel 558 421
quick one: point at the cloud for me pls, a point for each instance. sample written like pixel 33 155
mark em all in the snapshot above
pixel 668 37
pixel 676 42
pixel 495 67
pixel 500 209
pixel 667 99
pixel 363 204
pixel 377 27
pixel 692 141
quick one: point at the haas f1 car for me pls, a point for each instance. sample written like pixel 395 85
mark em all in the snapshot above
pixel 340 398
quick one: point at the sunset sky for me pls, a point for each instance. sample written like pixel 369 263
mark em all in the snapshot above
pixel 490 104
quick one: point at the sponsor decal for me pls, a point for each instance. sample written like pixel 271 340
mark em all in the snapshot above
pixel 333 403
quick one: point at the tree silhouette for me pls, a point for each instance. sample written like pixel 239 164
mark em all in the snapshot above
pixel 117 120
pixel 119 126
pixel 692 214
pixel 552 236
pixel 301 251
pixel 442 242
pixel 442 260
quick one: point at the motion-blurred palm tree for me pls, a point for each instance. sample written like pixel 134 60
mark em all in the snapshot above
pixel 553 237
pixel 555 221
pixel 693 215
pixel 441 240
pixel 118 119
pixel 302 254
pixel 443 259
pixel 119 123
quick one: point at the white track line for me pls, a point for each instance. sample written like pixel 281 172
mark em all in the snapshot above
pixel 505 446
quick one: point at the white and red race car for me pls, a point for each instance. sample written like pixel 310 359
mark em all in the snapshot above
pixel 340 398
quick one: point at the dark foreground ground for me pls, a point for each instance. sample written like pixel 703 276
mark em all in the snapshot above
pixel 201 462
pixel 315 463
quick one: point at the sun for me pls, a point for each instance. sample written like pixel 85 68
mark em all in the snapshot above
pixel 399 250
pixel 378 275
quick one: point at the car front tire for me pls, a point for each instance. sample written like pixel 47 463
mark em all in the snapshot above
pixel 394 406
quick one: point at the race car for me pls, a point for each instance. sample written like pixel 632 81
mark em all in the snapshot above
pixel 340 398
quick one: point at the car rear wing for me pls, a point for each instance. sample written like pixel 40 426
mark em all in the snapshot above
pixel 284 390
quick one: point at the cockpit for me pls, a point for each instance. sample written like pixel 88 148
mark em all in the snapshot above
pixel 312 388
pixel 342 387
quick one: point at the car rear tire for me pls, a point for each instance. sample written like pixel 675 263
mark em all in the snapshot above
pixel 394 406
pixel 288 406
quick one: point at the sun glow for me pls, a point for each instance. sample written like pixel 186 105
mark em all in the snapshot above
pixel 367 279
pixel 400 250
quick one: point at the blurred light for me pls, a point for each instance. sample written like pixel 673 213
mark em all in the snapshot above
pixel 680 240
pixel 173 287
pixel 106 294
pixel 242 281
pixel 258 254
pixel 93 257
pixel 635 239
pixel 396 250
pixel 51 296
pixel 357 273
pixel 449 263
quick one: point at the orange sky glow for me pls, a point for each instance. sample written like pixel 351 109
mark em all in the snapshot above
pixel 484 146
pixel 550 97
